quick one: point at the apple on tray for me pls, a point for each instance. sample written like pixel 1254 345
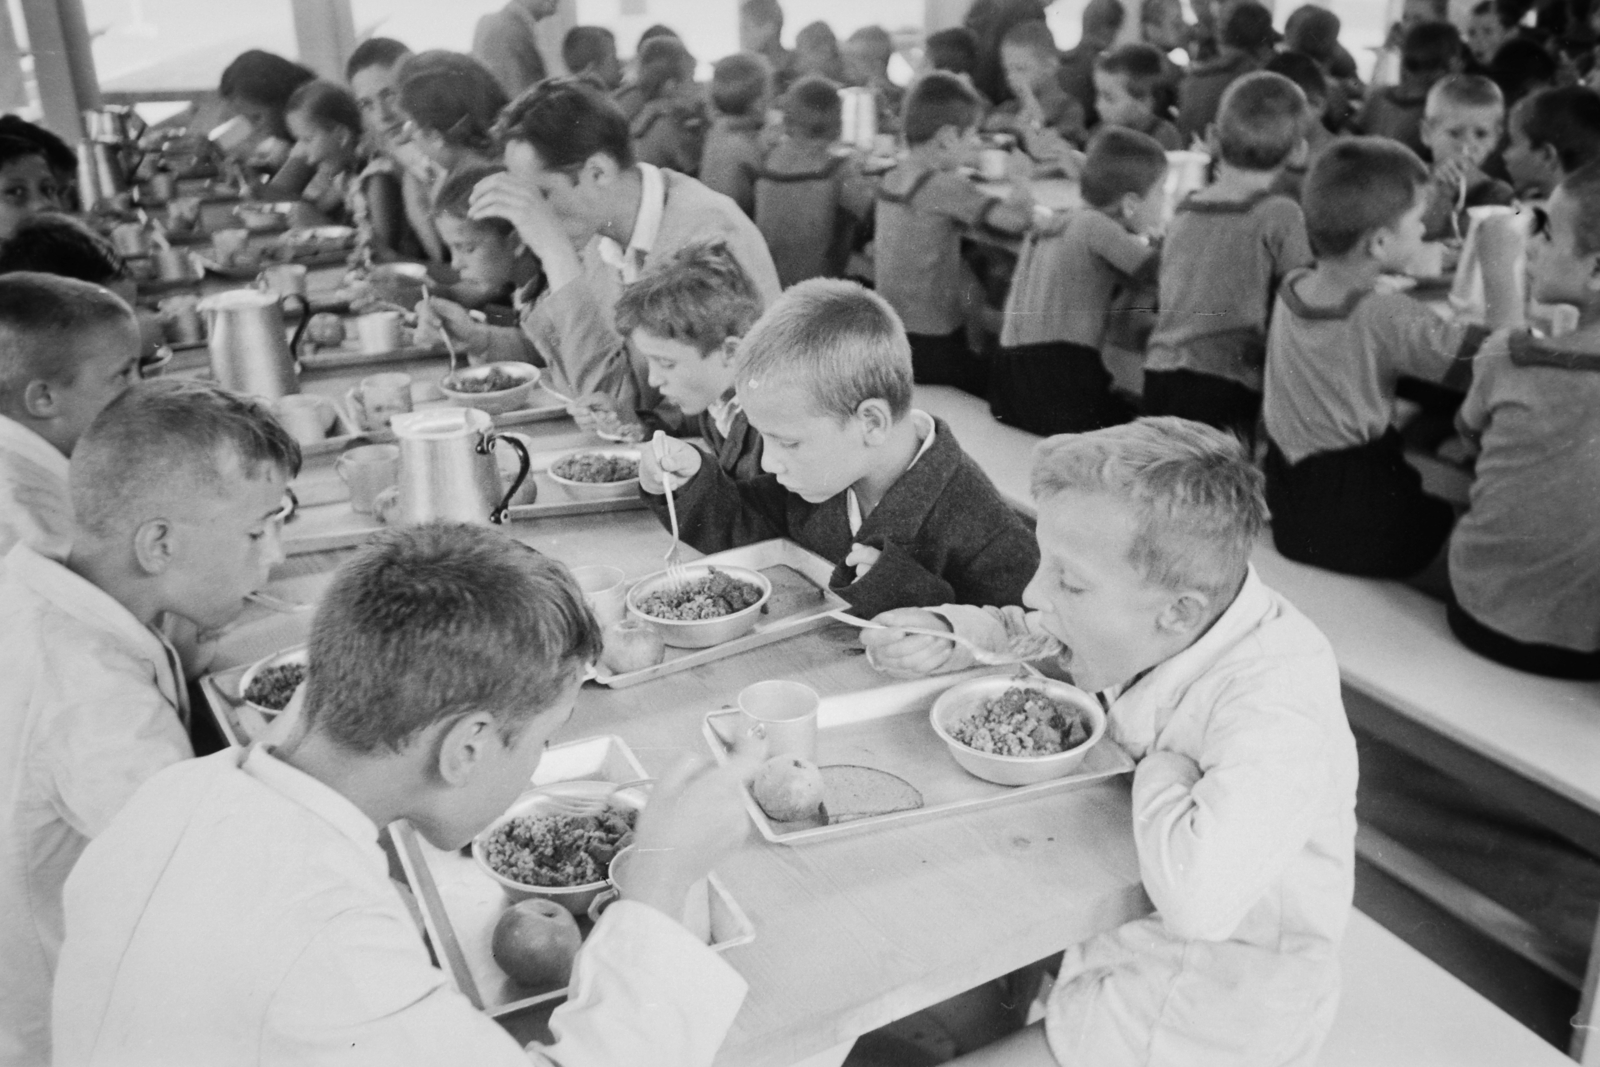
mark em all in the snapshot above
pixel 631 645
pixel 535 942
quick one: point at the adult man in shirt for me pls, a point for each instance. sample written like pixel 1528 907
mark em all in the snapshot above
pixel 507 42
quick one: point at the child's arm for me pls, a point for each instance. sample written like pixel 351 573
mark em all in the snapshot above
pixel 1425 346
pixel 480 342
pixel 715 513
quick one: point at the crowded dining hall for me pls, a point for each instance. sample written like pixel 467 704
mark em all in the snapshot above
pixel 1000 533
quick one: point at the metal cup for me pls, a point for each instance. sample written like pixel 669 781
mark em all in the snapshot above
pixel 605 589
pixel 380 397
pixel 306 416
pixel 379 331
pixel 284 279
pixel 785 713
pixel 180 320
pixel 696 916
pixel 368 470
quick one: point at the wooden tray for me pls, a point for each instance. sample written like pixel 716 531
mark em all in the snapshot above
pixel 887 728
pixel 800 602
pixel 460 903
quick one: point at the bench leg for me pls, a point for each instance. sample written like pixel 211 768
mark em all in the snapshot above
pixel 1585 1047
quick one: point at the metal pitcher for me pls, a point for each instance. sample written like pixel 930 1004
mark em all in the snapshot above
pixel 448 471
pixel 249 353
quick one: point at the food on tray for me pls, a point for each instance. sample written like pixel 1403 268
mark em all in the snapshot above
pixel 558 851
pixel 535 942
pixel 1023 722
pixel 326 329
pixel 496 381
pixel 711 597
pixel 630 646
pixel 273 687
pixel 596 468
pixel 854 792
pixel 788 788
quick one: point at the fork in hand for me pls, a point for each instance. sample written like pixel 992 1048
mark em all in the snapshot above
pixel 676 573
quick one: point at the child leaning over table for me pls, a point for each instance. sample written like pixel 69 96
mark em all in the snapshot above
pixel 179 491
pixel 1244 789
pixel 1461 128
pixel 854 473
pixel 255 920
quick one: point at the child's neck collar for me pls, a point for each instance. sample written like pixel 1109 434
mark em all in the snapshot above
pixel 1236 183
pixel 629 200
pixel 900 452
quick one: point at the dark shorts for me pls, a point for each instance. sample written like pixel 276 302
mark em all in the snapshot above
pixel 1207 398
pixel 1056 387
pixel 1358 510
pixel 946 360
pixel 1552 661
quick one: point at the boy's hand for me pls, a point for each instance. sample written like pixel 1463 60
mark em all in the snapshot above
pixel 667 457
pixel 1452 172
pixel 597 412
pixel 500 196
pixel 862 557
pixel 896 652
pixel 437 317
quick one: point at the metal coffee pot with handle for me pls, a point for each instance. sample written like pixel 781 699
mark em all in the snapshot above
pixel 448 470
pixel 249 352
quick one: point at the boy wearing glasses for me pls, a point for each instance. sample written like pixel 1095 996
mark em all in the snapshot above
pixel 178 489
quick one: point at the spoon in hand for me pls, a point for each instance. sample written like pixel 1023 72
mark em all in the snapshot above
pixel 1023 648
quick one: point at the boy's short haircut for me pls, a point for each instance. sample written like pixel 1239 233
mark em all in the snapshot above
pixel 169 439
pixel 262 78
pixel 1199 503
pixel 374 52
pixel 812 108
pixel 1248 28
pixel 452 95
pixel 1119 162
pixel 954 50
pixel 433 622
pixel 1303 71
pixel 938 100
pixel 1260 121
pixel 1139 65
pixel 1103 19
pixel 840 342
pixel 41 316
pixel 699 297
pixel 762 12
pixel 1314 31
pixel 566 121
pixel 1520 66
pixel 1464 91
pixel 877 39
pixel 1567 119
pixel 1033 36
pixel 1357 185
pixel 661 61
pixel 15 148
pixel 1430 48
pixel 1583 187
pixel 53 243
pixel 327 105
pixel 650 33
pixel 454 197
pixel 57 153
pixel 739 82
pixel 584 46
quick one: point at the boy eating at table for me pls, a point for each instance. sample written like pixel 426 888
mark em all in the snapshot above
pixel 1461 127
pixel 178 489
pixel 67 349
pixel 1244 788
pixel 853 473
pixel 254 919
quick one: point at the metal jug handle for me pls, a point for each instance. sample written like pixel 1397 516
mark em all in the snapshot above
pixel 486 443
pixel 300 330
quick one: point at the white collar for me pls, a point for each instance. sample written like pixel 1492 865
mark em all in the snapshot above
pixel 15 437
pixel 652 206
pixel 925 426
pixel 321 800
pixel 724 411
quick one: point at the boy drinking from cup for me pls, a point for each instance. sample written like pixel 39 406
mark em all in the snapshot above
pixel 1244 789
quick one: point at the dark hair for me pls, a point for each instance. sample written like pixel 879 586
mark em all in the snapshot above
pixel 954 50
pixel 766 12
pixel 327 104
pixel 1248 28
pixel 15 148
pixel 374 52
pixel 567 121
pixel 811 108
pixel 1520 66
pixel 452 95
pixel 938 100
pixel 584 46
pixel 1034 35
pixel 53 243
pixel 1260 121
pixel 1103 18
pixel 262 78
pixel 652 32
pixel 1120 161
pixel 1430 48
pixel 1314 31
pixel 1566 119
pixel 699 297
pixel 433 622
pixel 663 60
pixel 1139 65
pixel 40 315
pixel 57 153
pixel 454 196
pixel 1303 71
pixel 738 82
pixel 1355 186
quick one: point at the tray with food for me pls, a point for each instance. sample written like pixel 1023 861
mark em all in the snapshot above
pixel 729 602
pixel 371 398
pixel 919 749
pixel 246 701
pixel 506 916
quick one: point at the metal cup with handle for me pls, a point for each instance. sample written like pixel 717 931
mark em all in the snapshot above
pixel 447 468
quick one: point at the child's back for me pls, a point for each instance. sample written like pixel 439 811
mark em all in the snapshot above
pixel 922 213
pixel 808 203
pixel 732 158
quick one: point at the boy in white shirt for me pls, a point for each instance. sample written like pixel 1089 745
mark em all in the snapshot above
pixel 67 349
pixel 1228 698
pixel 178 489
pixel 255 921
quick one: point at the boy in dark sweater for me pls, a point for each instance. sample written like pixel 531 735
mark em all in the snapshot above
pixel 853 473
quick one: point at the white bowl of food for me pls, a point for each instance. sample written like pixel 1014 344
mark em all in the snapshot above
pixel 538 849
pixel 597 473
pixel 494 388
pixel 1018 731
pixel 268 685
pixel 707 605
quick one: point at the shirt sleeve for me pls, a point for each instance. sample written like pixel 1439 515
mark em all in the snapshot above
pixel 1422 344
pixel 572 330
pixel 954 197
pixel 1122 250
pixel 1290 247
pixel 1473 415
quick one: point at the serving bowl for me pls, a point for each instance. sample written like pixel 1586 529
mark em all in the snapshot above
pixel 966 699
pixel 546 800
pixel 298 654
pixel 627 487
pixel 501 400
pixel 701 633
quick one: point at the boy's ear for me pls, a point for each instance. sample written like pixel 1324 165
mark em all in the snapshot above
pixel 1185 615
pixel 727 350
pixel 601 169
pixel 154 546
pixel 39 399
pixel 464 746
pixel 876 420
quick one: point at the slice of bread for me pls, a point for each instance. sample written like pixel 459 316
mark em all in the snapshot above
pixel 851 792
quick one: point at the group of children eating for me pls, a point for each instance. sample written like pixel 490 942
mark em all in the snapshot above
pixel 159 908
